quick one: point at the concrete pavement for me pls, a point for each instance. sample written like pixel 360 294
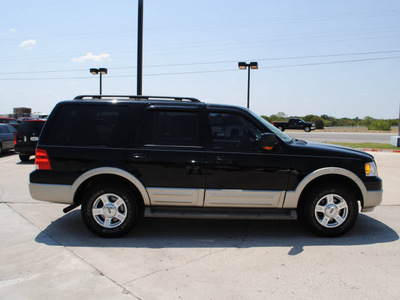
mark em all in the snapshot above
pixel 48 255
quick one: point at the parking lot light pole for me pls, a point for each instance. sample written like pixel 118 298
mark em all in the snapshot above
pixel 100 71
pixel 140 48
pixel 249 66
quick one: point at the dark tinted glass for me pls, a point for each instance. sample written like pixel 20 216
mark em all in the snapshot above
pixel 88 125
pixel 11 129
pixel 31 126
pixel 232 131
pixel 177 128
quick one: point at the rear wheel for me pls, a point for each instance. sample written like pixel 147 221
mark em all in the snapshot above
pixel 110 210
pixel 24 157
pixel 330 211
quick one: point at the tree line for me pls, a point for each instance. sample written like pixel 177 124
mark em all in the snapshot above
pixel 328 121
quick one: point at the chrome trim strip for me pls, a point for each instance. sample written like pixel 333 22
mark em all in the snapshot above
pixel 243 198
pixel 50 192
pixel 176 197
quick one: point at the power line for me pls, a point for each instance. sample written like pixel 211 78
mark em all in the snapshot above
pixel 209 71
pixel 217 62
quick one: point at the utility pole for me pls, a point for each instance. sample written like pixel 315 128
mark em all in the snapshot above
pixel 140 48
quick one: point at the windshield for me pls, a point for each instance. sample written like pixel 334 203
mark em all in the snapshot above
pixel 283 136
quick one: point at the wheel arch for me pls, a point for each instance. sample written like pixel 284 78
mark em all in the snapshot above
pixel 107 174
pixel 337 176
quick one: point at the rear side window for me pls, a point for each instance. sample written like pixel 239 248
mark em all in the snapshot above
pixel 173 128
pixel 88 125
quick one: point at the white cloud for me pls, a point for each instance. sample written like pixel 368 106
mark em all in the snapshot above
pixel 12 30
pixel 91 57
pixel 29 44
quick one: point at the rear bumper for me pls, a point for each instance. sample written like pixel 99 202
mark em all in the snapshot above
pixel 25 149
pixel 57 193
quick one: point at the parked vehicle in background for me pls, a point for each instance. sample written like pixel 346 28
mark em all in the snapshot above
pixel 27 137
pixel 124 157
pixel 294 123
pixel 7 120
pixel 7 133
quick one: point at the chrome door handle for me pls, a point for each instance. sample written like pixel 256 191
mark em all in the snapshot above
pixel 139 156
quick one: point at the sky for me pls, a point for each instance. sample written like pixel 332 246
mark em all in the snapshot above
pixel 338 57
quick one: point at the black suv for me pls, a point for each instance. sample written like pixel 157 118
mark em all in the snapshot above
pixel 124 157
pixel 27 137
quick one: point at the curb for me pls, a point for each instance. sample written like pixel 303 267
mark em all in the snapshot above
pixel 378 150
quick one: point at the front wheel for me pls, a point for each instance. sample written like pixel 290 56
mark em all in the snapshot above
pixel 307 129
pixel 330 211
pixel 110 210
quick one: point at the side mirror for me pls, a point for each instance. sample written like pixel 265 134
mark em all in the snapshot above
pixel 267 141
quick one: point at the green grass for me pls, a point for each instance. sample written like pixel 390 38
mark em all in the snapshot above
pixel 368 145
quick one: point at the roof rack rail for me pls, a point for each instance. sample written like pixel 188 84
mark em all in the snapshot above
pixel 135 98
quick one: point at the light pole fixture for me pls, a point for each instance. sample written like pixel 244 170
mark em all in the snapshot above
pixel 249 66
pixel 100 71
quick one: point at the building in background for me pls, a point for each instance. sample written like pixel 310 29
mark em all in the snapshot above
pixel 22 112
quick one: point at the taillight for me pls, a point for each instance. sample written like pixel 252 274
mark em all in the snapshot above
pixel 15 139
pixel 42 160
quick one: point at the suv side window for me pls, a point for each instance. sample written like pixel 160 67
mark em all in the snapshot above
pixel 88 125
pixel 229 130
pixel 173 128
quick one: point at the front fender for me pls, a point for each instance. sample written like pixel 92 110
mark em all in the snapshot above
pixel 292 197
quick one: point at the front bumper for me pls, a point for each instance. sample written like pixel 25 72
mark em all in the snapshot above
pixel 371 200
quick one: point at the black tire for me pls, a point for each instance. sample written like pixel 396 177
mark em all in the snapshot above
pixel 307 129
pixel 24 157
pixel 110 210
pixel 1 149
pixel 330 210
pixel 281 128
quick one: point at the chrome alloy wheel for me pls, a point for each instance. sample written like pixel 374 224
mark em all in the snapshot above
pixel 331 211
pixel 109 210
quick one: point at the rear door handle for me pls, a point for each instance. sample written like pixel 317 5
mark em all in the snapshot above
pixel 224 160
pixel 139 156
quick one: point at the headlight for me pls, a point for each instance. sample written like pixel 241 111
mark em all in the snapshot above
pixel 370 169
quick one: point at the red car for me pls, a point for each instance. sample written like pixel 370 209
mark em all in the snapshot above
pixel 7 120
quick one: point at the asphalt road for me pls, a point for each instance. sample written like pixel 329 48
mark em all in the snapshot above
pixel 341 137
pixel 48 255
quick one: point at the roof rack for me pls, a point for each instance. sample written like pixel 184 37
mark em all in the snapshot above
pixel 135 98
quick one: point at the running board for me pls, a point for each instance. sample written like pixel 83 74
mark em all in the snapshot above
pixel 220 213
